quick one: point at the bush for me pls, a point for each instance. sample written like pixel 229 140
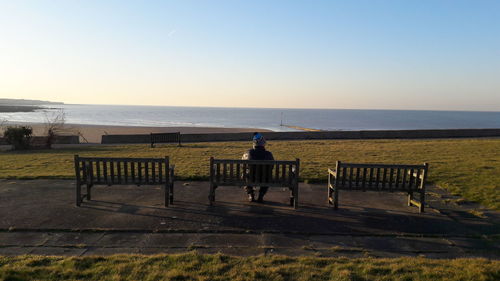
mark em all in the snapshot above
pixel 19 137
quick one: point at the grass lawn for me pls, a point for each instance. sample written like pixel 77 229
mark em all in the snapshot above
pixel 192 266
pixel 466 167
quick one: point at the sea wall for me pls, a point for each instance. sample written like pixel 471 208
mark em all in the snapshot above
pixel 384 134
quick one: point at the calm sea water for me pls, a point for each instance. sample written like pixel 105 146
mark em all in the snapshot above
pixel 325 119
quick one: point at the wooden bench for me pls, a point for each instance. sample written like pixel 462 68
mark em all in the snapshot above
pixel 92 171
pixel 165 138
pixel 225 172
pixel 378 177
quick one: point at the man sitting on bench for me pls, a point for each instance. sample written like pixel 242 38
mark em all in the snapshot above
pixel 258 152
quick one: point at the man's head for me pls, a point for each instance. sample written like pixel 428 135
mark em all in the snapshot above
pixel 258 140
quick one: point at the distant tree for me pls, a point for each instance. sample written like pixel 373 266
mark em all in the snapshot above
pixel 18 136
pixel 54 126
pixel 3 122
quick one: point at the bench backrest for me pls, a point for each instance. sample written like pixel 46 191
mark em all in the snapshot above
pixel 254 172
pixel 378 177
pixel 165 138
pixel 112 171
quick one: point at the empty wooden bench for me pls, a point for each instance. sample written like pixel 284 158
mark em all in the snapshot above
pixel 92 171
pixel 165 138
pixel 226 172
pixel 378 177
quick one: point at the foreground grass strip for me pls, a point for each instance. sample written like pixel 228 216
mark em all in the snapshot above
pixel 466 167
pixel 192 266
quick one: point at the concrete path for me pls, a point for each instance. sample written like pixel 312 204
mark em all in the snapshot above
pixel 39 217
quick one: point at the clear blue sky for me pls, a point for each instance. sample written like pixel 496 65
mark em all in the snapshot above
pixel 436 54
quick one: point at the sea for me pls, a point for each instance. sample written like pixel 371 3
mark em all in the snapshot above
pixel 264 118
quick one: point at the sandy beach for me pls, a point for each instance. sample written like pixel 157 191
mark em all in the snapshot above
pixel 93 133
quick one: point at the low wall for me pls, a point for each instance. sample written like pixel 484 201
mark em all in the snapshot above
pixel 386 134
pixel 58 140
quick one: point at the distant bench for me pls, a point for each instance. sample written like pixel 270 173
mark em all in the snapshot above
pixel 226 172
pixel 378 177
pixel 165 138
pixel 92 171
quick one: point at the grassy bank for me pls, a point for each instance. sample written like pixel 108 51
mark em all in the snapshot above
pixel 466 167
pixel 193 266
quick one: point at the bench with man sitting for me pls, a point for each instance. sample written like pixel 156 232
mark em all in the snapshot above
pixel 269 173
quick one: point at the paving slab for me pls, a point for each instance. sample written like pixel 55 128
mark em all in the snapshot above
pixel 39 216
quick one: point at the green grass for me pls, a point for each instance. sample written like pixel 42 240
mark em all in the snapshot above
pixel 466 167
pixel 192 266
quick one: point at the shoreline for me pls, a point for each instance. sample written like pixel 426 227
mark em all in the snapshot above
pixel 92 133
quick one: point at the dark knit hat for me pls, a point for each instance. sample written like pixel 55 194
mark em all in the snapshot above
pixel 258 140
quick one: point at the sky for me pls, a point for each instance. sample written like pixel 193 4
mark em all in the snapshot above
pixel 374 54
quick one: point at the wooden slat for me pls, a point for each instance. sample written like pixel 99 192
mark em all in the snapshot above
pixel 290 174
pixel 417 178
pixel 114 159
pixel 160 172
pixel 105 171
pixel 238 171
pixel 224 171
pixel 243 183
pixel 403 181
pixel 377 179
pixel 363 184
pixel 132 171
pixel 391 178
pixel 231 174
pixel 398 177
pixel 367 165
pixel 384 178
pixel 139 172
pixel 350 176
pixel 357 176
pixel 254 161
pixel 98 170
pixel 410 180
pixel 217 171
pixel 118 172
pixel 283 172
pixel 153 173
pixel 146 172
pixel 125 171
pixel 370 179
pixel 276 172
pixel 344 174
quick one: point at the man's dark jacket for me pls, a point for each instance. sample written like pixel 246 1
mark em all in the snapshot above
pixel 259 153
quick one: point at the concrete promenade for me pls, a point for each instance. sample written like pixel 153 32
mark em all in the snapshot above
pixel 39 217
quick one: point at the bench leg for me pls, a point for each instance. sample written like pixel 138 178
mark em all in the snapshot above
pixel 422 202
pixel 335 198
pixel 410 197
pixel 167 194
pixel 171 193
pixel 211 195
pixel 296 197
pixel 78 195
pixel 329 199
pixel 89 188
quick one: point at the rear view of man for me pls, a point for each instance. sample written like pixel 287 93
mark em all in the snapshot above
pixel 258 152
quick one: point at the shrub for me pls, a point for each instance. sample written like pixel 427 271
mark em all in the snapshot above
pixel 19 136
